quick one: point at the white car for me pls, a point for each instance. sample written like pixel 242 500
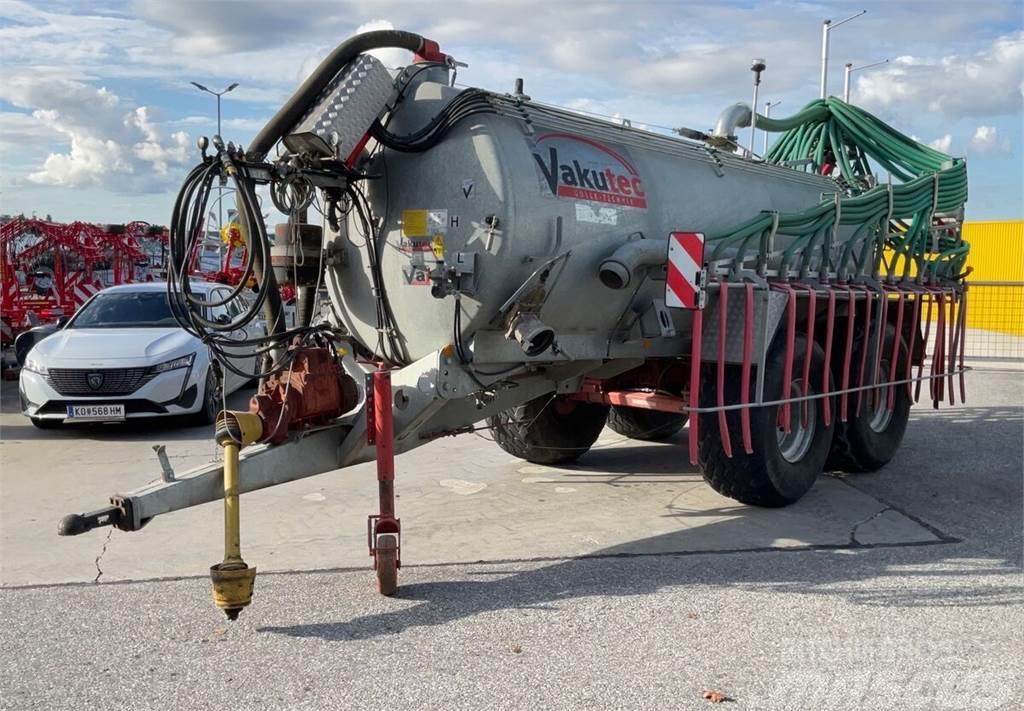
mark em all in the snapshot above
pixel 123 356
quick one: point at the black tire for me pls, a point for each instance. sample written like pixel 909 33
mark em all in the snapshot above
pixel 213 401
pixel 45 424
pixel 766 477
pixel 387 565
pixel 549 430
pixel 868 440
pixel 648 425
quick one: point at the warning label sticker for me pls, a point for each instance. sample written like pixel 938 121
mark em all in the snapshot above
pixel 414 223
pixel 423 241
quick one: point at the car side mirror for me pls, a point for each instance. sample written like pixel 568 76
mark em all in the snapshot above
pixel 63 321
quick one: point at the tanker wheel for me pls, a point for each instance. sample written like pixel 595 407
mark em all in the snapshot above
pixel 386 563
pixel 649 425
pixel 549 430
pixel 870 438
pixel 784 465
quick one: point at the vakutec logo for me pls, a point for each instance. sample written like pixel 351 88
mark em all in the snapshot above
pixel 573 176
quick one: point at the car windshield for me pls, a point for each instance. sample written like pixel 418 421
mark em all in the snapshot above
pixel 126 309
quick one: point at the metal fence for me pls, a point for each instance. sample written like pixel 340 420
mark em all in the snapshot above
pixel 995 320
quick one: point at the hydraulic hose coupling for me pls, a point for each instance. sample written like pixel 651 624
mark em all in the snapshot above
pixel 233 580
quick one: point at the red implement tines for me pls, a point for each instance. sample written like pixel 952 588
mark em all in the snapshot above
pixel 876 392
pixel 812 300
pixel 915 324
pixel 825 386
pixel 954 339
pixel 939 356
pixel 723 313
pixel 748 348
pixel 864 348
pixel 926 295
pixel 791 344
pixel 698 325
pixel 963 338
pixel 848 352
pixel 895 356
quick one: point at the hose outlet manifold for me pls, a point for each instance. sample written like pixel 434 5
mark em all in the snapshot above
pixel 233 580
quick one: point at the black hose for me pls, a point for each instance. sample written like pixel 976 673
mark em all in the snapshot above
pixel 296 106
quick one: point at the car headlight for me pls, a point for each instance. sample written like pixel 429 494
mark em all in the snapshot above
pixel 33 365
pixel 182 362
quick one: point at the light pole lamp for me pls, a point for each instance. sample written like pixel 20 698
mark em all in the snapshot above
pixel 757 66
pixel 850 69
pixel 220 189
pixel 826 27
pixel 218 94
pixel 768 114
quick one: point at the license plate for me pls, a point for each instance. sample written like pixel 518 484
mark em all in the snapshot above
pixel 95 412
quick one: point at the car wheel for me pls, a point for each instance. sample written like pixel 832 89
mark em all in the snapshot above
pixel 45 424
pixel 213 400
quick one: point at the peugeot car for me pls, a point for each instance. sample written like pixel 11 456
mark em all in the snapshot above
pixel 123 356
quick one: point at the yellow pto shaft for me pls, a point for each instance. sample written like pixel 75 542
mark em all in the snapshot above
pixel 233 580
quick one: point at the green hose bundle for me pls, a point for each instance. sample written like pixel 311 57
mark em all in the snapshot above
pixel 893 222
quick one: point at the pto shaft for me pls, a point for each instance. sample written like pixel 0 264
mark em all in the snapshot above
pixel 233 580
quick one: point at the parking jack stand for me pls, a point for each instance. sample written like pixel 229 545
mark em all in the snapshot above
pixel 233 580
pixel 384 530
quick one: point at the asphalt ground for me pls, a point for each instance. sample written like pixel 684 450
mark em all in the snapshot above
pixel 908 594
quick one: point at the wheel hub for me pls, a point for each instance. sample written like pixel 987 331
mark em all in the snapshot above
pixel 881 415
pixel 795 444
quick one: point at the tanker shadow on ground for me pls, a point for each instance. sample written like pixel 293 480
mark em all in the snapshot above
pixel 973 573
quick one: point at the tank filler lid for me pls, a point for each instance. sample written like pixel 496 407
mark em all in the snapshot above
pixel 339 122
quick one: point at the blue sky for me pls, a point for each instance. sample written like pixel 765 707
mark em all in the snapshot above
pixel 98 119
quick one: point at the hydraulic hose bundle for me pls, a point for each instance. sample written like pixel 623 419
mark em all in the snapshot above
pixel 466 104
pixel 187 226
pixel 835 138
pixel 191 310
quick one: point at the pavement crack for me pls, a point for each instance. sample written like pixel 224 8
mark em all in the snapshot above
pixel 103 550
pixel 872 517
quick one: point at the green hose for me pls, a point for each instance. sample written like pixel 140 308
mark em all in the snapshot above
pixel 844 141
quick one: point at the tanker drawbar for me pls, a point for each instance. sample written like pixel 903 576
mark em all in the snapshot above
pixel 486 260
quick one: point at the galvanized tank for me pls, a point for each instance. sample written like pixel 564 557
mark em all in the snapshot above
pixel 523 186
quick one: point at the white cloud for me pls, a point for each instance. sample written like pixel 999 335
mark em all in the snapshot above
pixel 653 62
pixel 988 82
pixel 942 144
pixel 986 139
pixel 108 142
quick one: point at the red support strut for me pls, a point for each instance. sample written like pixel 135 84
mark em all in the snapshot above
pixel 383 529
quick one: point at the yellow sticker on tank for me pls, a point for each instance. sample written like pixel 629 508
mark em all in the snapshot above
pixel 414 223
pixel 437 246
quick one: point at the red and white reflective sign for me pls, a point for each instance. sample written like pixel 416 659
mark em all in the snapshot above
pixel 684 285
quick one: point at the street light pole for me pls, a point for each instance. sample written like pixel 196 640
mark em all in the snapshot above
pixel 757 66
pixel 850 69
pixel 220 188
pixel 826 27
pixel 768 114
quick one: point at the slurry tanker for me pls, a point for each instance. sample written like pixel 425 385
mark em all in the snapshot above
pixel 492 262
